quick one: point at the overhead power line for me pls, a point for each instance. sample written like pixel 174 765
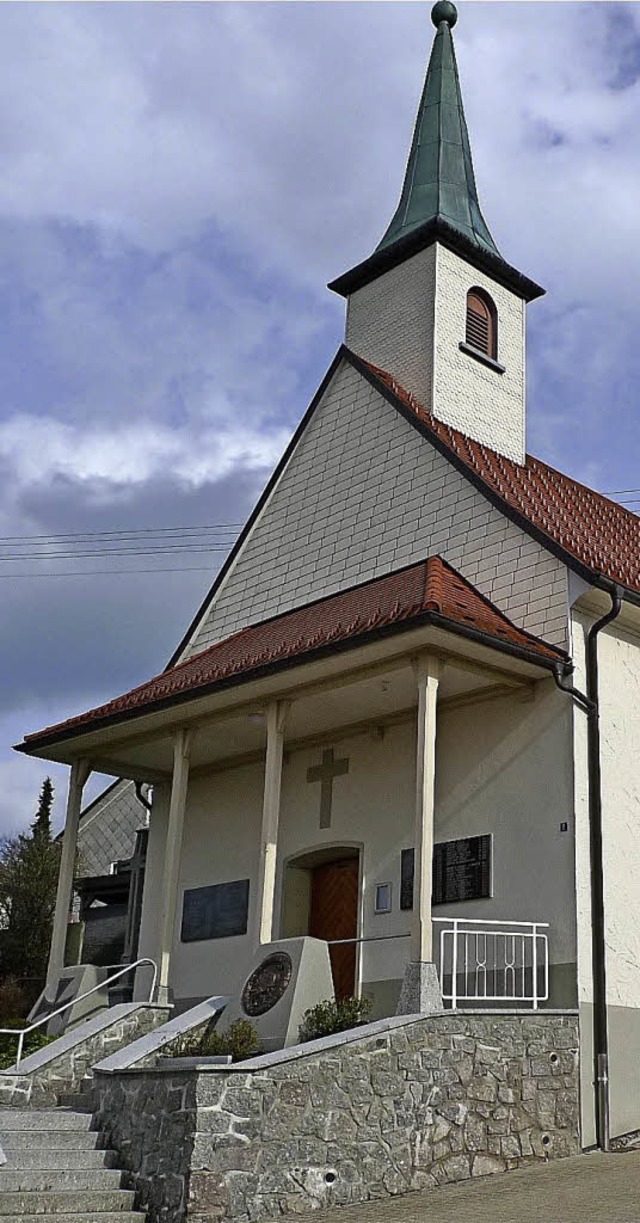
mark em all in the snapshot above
pixel 212 539
pixel 92 573
pixel 125 533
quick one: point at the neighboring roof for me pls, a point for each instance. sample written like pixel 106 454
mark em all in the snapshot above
pixel 596 536
pixel 429 592
pixel 439 180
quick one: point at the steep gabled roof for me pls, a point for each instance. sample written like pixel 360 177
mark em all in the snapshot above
pixel 429 592
pixel 592 534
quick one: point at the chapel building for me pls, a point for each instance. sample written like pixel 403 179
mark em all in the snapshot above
pixel 405 719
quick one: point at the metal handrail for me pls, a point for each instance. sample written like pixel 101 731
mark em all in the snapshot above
pixel 480 921
pixel 371 938
pixel 457 928
pixel 22 1032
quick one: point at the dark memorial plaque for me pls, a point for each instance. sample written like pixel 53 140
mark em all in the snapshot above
pixel 267 984
pixel 407 859
pixel 218 911
pixel 461 871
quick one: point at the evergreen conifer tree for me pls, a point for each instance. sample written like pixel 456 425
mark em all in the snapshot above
pixel 29 865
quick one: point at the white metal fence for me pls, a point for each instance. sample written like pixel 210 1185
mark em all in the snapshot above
pixel 493 961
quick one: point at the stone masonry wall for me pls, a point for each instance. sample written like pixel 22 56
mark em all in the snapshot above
pixel 405 1106
pixel 64 1074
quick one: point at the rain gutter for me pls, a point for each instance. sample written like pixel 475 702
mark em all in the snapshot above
pixel 589 703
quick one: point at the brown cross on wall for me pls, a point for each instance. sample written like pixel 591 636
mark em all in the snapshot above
pixel 325 773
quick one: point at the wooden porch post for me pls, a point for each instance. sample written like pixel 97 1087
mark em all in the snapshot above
pixel 179 784
pixel 428 675
pixel 80 771
pixel 276 721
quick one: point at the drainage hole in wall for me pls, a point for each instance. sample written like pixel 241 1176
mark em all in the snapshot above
pixel 330 1177
pixel 554 1059
pixel 545 1140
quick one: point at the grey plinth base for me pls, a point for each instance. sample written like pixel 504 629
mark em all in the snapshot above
pixel 420 993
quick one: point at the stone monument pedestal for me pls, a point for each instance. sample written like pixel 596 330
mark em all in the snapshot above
pixel 420 993
pixel 74 980
pixel 286 978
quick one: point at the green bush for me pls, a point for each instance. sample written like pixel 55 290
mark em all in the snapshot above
pixel 9 1044
pixel 334 1015
pixel 240 1040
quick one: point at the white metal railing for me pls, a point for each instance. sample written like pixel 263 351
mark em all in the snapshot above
pixel 22 1032
pixel 493 961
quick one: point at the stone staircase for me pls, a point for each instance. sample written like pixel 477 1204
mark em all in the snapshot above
pixel 56 1169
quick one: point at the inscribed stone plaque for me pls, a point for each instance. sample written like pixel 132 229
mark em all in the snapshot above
pixel 267 984
pixel 461 871
pixel 218 911
pixel 284 980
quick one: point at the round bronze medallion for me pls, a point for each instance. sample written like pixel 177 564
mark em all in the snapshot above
pixel 267 983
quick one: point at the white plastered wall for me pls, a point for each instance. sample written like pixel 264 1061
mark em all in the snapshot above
pixel 503 767
pixel 619 675
pixel 619 672
pixel 151 916
pixel 467 394
pixel 363 494
pixel 221 844
pixel 619 694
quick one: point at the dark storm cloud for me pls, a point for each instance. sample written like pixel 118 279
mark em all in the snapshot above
pixel 178 183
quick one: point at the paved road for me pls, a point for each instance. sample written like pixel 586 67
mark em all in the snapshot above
pixel 588 1189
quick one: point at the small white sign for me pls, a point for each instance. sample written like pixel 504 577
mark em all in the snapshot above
pixel 383 898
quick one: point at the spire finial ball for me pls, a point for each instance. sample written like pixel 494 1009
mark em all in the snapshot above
pixel 444 10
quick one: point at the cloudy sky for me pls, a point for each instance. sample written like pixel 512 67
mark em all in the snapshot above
pixel 178 182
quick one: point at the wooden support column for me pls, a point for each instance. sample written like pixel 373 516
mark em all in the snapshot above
pixel 276 721
pixel 80 771
pixel 428 675
pixel 173 847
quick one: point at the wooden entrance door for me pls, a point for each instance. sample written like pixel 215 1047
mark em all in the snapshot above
pixel 334 915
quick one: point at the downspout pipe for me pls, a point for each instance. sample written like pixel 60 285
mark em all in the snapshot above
pixel 589 702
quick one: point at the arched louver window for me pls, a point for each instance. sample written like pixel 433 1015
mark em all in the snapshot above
pixel 482 329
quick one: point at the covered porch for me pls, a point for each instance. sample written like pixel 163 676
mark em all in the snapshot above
pixel 383 771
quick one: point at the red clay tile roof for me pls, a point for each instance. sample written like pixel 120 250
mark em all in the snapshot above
pixel 601 535
pixel 398 600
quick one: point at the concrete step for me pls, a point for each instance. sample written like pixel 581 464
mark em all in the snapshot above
pixel 40 1158
pixel 81 1103
pixel 81 1202
pixel 55 1180
pixel 90 1216
pixel 42 1119
pixel 62 1140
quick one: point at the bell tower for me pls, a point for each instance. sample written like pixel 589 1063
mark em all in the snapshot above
pixel 436 305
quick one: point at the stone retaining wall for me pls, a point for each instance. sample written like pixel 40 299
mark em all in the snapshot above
pixel 401 1105
pixel 59 1068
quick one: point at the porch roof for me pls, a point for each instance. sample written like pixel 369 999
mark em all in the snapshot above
pixel 430 592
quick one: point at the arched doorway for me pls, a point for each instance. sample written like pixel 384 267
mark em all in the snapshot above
pixel 321 897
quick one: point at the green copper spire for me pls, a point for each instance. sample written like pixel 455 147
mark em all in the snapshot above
pixel 439 182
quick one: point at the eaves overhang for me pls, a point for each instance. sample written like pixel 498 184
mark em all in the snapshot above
pixel 436 230
pixel 533 656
